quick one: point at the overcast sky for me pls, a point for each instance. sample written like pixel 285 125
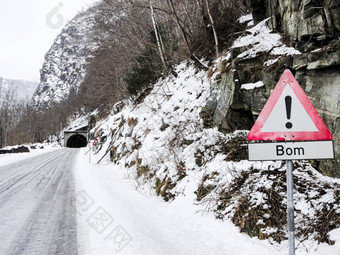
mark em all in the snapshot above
pixel 28 29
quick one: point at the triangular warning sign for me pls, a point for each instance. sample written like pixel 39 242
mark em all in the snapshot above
pixel 289 115
pixel 95 142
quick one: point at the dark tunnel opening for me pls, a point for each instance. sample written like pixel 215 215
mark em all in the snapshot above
pixel 76 141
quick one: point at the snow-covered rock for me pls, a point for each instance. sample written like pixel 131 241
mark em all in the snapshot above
pixel 245 76
pixel 162 146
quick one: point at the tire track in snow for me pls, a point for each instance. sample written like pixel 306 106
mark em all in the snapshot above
pixel 37 205
pixel 14 181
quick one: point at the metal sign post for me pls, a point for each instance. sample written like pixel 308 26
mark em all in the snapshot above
pixel 290 207
pixel 89 152
pixel 90 155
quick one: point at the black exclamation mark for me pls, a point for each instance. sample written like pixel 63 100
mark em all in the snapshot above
pixel 288 100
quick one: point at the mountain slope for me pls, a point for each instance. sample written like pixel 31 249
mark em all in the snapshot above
pixel 65 62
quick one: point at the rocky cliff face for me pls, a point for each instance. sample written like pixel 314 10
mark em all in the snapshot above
pixel 309 23
pixel 64 66
pixel 245 77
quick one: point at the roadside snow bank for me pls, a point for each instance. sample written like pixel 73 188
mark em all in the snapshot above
pixel 115 218
pixel 6 159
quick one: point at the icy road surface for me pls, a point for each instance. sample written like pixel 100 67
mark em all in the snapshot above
pixel 37 205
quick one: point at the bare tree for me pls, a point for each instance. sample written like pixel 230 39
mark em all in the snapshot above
pixel 213 28
pixel 7 112
pixel 158 38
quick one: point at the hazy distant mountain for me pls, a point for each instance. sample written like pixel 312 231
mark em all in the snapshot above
pixel 23 89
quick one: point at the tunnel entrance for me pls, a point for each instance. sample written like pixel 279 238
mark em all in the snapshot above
pixel 76 137
pixel 76 141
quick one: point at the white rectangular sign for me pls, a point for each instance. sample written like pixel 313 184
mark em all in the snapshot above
pixel 291 150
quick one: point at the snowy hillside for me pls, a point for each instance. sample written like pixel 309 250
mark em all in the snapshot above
pixel 163 147
pixel 64 66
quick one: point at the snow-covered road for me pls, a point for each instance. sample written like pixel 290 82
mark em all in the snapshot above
pixel 37 205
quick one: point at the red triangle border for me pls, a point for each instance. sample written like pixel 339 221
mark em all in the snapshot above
pixel 288 79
